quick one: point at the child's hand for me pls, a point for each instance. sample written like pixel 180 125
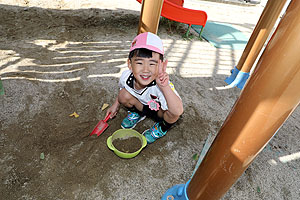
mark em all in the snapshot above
pixel 162 79
pixel 113 110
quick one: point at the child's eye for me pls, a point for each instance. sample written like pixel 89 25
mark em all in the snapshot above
pixel 139 63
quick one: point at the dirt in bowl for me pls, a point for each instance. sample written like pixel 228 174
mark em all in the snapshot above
pixel 128 145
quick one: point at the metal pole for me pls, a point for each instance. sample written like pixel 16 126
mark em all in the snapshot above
pixel 150 14
pixel 260 34
pixel 270 96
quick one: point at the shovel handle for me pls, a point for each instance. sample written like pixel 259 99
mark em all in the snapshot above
pixel 107 117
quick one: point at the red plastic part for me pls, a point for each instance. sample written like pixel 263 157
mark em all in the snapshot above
pixel 177 2
pixel 173 10
pixel 101 126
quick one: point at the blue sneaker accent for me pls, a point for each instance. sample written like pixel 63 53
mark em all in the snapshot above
pixel 131 120
pixel 154 133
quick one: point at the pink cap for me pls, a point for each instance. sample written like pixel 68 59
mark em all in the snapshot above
pixel 149 41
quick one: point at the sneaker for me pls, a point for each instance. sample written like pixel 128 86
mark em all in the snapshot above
pixel 131 120
pixel 154 133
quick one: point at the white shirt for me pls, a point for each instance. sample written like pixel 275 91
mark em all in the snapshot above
pixel 150 93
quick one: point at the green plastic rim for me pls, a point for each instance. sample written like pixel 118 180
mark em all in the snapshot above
pixel 124 134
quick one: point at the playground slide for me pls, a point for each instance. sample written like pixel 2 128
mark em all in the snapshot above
pixel 173 10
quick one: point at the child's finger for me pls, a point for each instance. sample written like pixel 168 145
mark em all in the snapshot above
pixel 165 65
pixel 112 115
pixel 107 114
pixel 160 67
pixel 161 76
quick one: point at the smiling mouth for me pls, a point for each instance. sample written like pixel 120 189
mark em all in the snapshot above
pixel 145 77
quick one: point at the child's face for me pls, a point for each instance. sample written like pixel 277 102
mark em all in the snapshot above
pixel 145 70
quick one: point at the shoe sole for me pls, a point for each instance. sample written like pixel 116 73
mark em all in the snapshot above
pixel 135 123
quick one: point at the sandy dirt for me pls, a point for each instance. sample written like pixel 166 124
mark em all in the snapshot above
pixel 59 57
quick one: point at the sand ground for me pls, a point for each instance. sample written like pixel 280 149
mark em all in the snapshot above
pixel 61 56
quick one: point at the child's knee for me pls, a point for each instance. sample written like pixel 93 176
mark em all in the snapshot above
pixel 126 99
pixel 171 117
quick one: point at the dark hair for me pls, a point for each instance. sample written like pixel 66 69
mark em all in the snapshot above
pixel 144 53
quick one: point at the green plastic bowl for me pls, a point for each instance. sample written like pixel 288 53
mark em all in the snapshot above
pixel 124 134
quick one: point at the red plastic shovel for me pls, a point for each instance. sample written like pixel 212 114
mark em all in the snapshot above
pixel 101 126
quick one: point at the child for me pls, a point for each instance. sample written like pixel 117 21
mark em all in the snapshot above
pixel 145 88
